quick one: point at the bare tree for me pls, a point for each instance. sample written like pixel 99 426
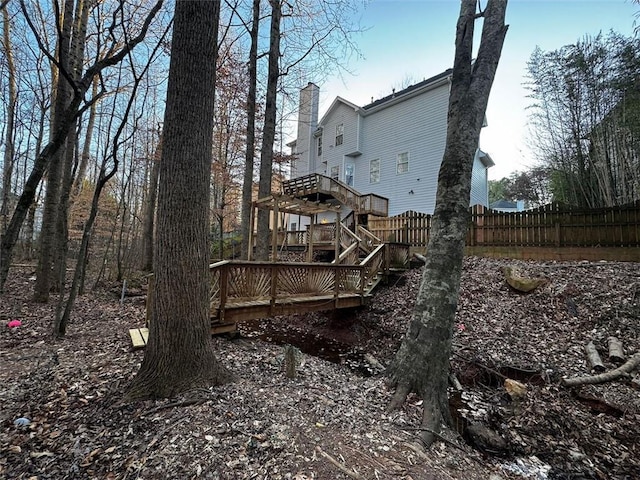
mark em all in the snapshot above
pixel 180 355
pixel 64 310
pixel 9 150
pixel 116 52
pixel 269 130
pixel 247 186
pixel 584 119
pixel 421 364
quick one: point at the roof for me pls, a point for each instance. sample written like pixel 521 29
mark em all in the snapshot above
pixel 409 89
pixel 389 99
pixel 486 160
pixel 333 105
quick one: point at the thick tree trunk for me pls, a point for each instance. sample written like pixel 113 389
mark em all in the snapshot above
pixel 421 364
pixel 247 185
pixel 269 131
pixel 180 355
pixel 49 234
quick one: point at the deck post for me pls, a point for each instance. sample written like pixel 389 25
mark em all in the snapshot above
pixel 310 240
pixel 274 233
pixel 274 284
pixel 224 290
pixel 337 245
pixel 251 227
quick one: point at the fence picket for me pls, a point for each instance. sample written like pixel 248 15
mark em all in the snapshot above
pixel 551 225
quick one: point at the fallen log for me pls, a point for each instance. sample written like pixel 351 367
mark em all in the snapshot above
pixel 594 358
pixel 625 369
pixel 616 354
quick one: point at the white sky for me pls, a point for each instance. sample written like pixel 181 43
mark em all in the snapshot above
pixel 414 39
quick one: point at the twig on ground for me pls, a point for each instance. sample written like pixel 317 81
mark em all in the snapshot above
pixel 339 465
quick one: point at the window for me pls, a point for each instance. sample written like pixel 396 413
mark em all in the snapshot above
pixel 374 171
pixel 320 145
pixel 335 172
pixel 402 165
pixel 348 174
pixel 339 134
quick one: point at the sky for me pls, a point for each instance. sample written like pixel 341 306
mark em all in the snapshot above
pixel 414 39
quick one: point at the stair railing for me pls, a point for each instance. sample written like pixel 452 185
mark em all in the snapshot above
pixel 369 240
pixel 373 266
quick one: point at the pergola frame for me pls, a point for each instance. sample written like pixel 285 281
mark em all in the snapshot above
pixel 280 203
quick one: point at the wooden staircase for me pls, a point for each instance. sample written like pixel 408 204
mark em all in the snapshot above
pixel 245 290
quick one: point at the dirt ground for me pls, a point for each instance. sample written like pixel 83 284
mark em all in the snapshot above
pixel 61 415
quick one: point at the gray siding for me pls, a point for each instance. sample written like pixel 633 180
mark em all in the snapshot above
pixel 332 154
pixel 418 126
pixel 479 183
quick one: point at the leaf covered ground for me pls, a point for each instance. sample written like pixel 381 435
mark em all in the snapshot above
pixel 330 421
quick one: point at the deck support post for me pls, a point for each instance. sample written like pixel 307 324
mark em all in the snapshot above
pixel 337 246
pixel 252 220
pixel 274 233
pixel 310 247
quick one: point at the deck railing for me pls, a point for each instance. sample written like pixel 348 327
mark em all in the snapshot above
pixel 234 282
pixel 315 183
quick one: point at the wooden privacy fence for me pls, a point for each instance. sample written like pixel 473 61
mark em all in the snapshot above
pixel 553 225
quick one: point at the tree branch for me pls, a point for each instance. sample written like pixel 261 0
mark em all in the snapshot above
pixel 628 367
pixel 339 465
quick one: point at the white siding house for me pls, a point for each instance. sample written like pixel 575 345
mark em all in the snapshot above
pixel 392 147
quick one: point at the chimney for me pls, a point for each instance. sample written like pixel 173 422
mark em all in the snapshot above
pixel 307 124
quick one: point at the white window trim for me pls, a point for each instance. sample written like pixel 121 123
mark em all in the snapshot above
pixel 371 171
pixel 339 134
pixel 398 172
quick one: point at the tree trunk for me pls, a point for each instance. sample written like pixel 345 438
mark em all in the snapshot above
pixel 421 364
pixel 7 169
pixel 247 186
pixel 45 156
pixel 269 131
pixel 179 355
pixel 49 234
pixel 86 149
pixel 150 211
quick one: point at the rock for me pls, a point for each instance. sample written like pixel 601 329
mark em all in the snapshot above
pixel 515 389
pixel 520 283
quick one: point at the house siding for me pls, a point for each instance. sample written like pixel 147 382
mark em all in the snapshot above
pixel 479 183
pixel 334 155
pixel 414 122
pixel 418 126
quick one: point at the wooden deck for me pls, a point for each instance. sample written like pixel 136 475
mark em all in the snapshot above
pixel 320 185
pixel 242 290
